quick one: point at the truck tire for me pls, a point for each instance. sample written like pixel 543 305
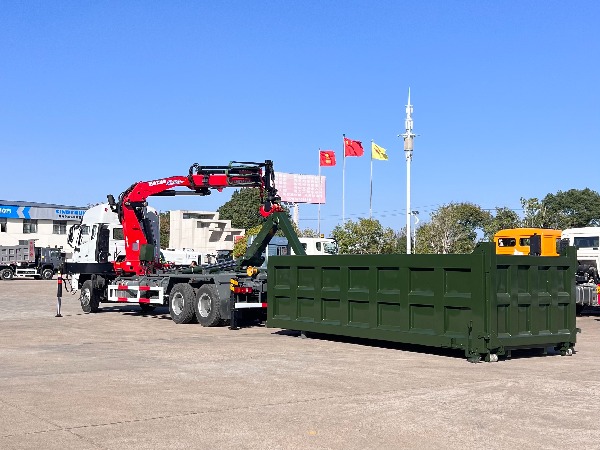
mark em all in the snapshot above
pixel 181 303
pixel 47 274
pixel 6 274
pixel 89 298
pixel 207 306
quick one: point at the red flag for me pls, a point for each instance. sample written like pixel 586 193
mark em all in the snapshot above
pixel 327 158
pixel 353 148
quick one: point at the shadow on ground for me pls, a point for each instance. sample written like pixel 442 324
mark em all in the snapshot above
pixel 413 348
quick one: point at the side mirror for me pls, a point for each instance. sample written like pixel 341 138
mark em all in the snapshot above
pixel 535 245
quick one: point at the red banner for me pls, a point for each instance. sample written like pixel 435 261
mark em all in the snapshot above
pixel 353 148
pixel 327 158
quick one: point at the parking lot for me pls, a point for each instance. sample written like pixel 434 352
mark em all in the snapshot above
pixel 119 380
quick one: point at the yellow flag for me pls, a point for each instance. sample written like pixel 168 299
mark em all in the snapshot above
pixel 378 152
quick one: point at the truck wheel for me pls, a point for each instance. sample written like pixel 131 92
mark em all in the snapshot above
pixel 181 303
pixel 6 274
pixel 207 306
pixel 47 274
pixel 89 299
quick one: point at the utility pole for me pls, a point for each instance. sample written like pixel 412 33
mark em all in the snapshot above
pixel 408 137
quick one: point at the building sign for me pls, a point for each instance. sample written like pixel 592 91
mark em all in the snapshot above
pixel 12 212
pixel 295 188
pixel 69 214
pixel 31 212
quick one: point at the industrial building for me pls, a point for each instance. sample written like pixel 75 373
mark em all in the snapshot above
pixel 47 223
pixel 202 231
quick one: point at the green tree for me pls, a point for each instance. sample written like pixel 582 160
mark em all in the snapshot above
pixel 165 228
pixel 242 209
pixel 239 248
pixel 366 236
pixel 400 237
pixel 452 228
pixel 534 213
pixel 572 209
pixel 309 233
pixel 502 219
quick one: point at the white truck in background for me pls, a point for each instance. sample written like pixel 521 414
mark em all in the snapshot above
pixel 318 246
pixel 587 242
pixel 184 256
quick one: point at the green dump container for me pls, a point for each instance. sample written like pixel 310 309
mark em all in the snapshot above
pixel 482 303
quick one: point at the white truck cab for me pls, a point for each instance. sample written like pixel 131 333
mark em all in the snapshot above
pixel 83 237
pixel 587 241
pixel 101 223
pixel 319 246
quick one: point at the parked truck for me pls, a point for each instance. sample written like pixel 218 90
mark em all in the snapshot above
pixel 211 294
pixel 587 242
pixel 319 246
pixel 516 241
pixel 184 256
pixel 27 260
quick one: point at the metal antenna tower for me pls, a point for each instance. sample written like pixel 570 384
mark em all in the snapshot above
pixel 408 137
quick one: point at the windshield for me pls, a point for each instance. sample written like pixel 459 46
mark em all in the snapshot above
pixel 586 241
pixel 331 248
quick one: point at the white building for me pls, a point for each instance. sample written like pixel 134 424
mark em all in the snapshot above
pixel 48 224
pixel 202 231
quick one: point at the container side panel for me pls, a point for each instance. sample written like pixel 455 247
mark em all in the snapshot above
pixel 534 300
pixel 331 311
pixel 480 303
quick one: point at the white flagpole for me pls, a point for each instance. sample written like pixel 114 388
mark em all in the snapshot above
pixel 344 182
pixel 319 219
pixel 371 194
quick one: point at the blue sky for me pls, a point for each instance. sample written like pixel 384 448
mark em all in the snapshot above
pixel 97 95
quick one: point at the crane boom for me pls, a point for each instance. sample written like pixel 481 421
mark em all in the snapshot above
pixel 141 249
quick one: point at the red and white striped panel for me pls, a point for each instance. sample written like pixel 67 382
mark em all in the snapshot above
pixel 123 293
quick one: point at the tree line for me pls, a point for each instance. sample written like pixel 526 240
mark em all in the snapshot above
pixel 452 228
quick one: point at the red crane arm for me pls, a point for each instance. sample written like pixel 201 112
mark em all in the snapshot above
pixel 131 206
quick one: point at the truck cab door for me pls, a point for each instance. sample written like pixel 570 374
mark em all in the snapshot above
pixel 102 244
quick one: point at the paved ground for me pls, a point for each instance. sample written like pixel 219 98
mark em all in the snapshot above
pixel 120 380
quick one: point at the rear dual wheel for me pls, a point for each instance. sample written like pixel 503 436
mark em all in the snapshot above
pixel 207 306
pixel 181 303
pixel 185 305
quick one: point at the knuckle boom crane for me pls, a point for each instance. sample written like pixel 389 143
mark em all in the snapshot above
pixel 211 294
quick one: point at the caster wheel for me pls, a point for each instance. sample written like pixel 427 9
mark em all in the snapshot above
pixel 492 357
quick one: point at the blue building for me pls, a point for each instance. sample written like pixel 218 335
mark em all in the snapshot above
pixel 47 223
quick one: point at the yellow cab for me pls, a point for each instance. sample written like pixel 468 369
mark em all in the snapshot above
pixel 515 241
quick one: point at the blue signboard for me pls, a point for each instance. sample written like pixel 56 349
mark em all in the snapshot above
pixel 30 212
pixel 14 212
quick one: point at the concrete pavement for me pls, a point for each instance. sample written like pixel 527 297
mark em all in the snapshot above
pixel 122 380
